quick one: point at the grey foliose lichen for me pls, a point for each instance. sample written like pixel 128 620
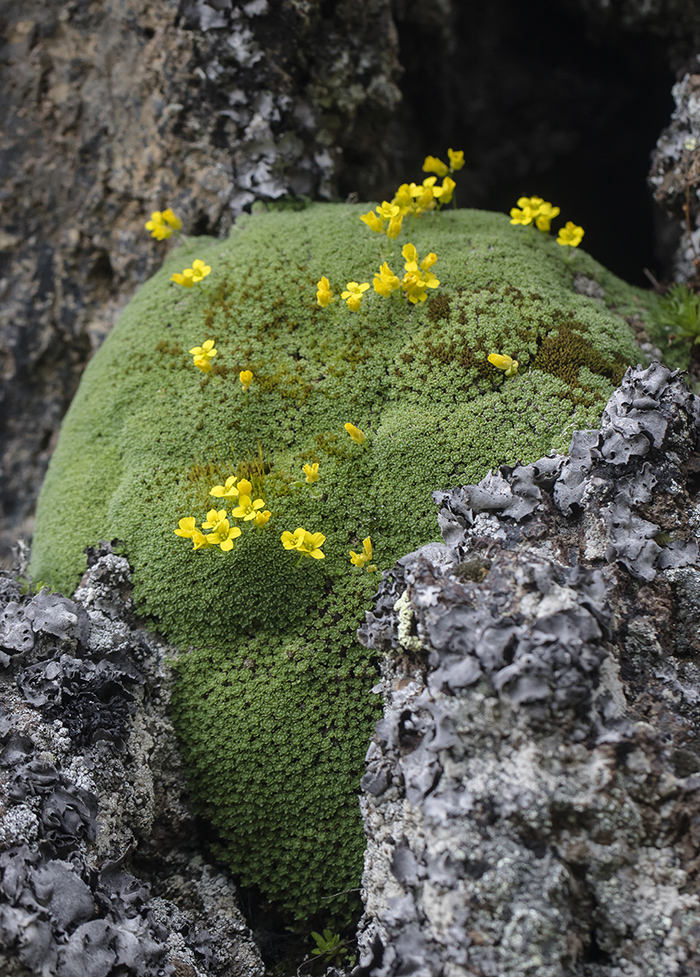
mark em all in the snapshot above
pixel 532 787
pixel 674 172
pixel 90 783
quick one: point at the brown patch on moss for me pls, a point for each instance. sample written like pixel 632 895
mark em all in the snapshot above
pixel 439 308
pixel 563 354
pixel 166 348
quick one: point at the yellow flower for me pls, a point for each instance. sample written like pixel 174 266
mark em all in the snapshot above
pixel 203 354
pixel 227 491
pixel 360 559
pixel 162 225
pixel 432 164
pixel 386 281
pixel 445 192
pixel 353 295
pixel 190 276
pixel 187 527
pixel 505 363
pixel 188 530
pixel 570 235
pixel 291 541
pixel 456 159
pixel 223 535
pixel 260 518
pixel 171 220
pixel 246 509
pixel 214 517
pixel 386 211
pixel 410 254
pixel 245 487
pixel 394 228
pixel 324 295
pixel 311 472
pixel 373 222
pixel 246 378
pixel 186 278
pixel 423 194
pixel 520 216
pixel 355 433
pixel 545 216
pixel 310 544
pixel 403 198
pixel 199 269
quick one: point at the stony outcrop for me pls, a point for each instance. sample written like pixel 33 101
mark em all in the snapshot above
pixel 113 111
pixel 675 175
pixel 99 867
pixel 532 793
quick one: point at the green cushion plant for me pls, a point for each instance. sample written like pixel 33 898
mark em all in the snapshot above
pixel 273 697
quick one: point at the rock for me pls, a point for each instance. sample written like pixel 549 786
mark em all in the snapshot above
pixel 531 790
pixel 99 864
pixel 675 174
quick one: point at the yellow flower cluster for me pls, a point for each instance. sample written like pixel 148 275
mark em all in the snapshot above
pixel 163 223
pixel 305 543
pixel 416 280
pixel 535 209
pixel 542 213
pixel 353 295
pixel 191 276
pixel 221 532
pixel 387 218
pixel 415 198
pixel 418 276
pixel 388 222
pixel 203 355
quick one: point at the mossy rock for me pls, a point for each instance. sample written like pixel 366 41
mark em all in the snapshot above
pixel 273 699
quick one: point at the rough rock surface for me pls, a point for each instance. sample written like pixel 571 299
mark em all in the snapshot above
pixel 112 111
pixel 675 174
pixel 532 795
pixel 99 869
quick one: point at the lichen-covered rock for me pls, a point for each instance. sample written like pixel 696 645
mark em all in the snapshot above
pixel 271 702
pixel 675 174
pixel 109 113
pixel 532 793
pixel 92 791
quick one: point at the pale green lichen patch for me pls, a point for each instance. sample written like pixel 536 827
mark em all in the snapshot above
pixel 272 701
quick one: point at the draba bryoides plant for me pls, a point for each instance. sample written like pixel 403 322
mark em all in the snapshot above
pixel 222 527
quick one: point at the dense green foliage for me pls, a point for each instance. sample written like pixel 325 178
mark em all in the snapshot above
pixel 273 699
